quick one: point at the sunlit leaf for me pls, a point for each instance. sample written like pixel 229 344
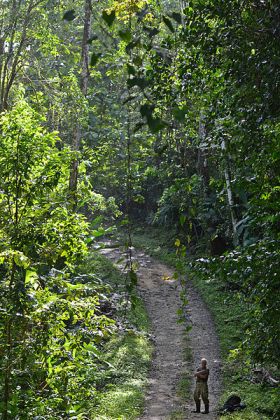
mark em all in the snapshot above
pixel 142 13
pixel 177 242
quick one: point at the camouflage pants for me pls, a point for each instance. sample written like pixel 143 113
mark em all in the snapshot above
pixel 201 390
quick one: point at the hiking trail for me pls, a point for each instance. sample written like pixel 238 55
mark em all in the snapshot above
pixel 161 295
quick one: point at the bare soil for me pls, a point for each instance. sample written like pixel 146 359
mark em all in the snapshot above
pixel 161 294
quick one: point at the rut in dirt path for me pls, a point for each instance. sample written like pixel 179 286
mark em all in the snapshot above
pixel 161 294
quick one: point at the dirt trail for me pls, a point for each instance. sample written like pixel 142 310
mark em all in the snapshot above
pixel 161 296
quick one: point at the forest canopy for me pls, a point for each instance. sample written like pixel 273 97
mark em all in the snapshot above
pixel 120 113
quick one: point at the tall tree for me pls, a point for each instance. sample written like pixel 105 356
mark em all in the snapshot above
pixel 84 80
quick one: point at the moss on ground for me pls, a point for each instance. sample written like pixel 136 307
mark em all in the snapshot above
pixel 123 398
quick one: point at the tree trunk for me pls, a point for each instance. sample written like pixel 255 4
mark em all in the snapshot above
pixel 230 196
pixel 10 61
pixel 202 162
pixel 73 181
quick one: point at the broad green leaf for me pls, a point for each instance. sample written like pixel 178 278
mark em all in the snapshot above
pixel 99 232
pixel 109 17
pixel 94 59
pixel 168 23
pixel 31 277
pixel 21 260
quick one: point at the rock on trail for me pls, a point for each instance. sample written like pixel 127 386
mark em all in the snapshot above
pixel 161 294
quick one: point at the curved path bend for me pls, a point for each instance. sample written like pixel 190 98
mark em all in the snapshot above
pixel 161 294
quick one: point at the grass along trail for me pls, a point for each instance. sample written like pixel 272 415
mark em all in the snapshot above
pixel 171 374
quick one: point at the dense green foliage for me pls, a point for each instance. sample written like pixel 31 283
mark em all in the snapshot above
pixel 164 112
pixel 206 84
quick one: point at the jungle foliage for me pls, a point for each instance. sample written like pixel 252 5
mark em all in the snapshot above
pixel 203 79
pixel 164 112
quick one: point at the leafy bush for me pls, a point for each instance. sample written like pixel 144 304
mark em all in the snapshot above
pixel 50 325
pixel 252 274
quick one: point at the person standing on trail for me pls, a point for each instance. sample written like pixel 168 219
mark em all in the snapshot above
pixel 201 389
